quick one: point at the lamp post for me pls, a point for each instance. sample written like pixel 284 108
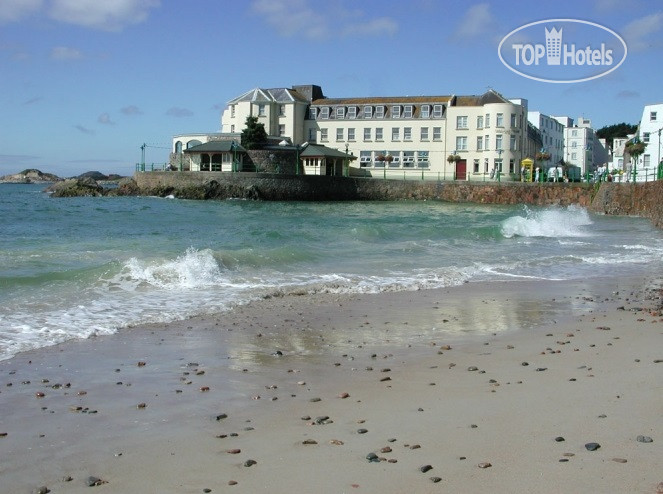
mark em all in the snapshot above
pixel 233 147
pixel 499 164
pixel 346 165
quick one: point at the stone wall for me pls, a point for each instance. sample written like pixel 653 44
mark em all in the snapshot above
pixel 642 199
pixel 265 186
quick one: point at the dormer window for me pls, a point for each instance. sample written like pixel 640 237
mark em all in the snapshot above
pixel 424 111
pixel 379 111
pixel 340 112
pixel 437 111
pixel 352 112
pixel 407 111
pixel 324 112
pixel 396 111
pixel 368 111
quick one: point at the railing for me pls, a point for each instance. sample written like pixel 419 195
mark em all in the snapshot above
pixel 152 167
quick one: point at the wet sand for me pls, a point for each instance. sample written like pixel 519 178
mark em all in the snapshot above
pixel 493 387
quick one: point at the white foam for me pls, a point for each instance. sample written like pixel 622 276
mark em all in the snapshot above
pixel 550 222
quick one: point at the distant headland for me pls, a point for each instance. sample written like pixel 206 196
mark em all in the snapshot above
pixel 34 176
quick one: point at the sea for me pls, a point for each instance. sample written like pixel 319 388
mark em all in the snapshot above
pixel 75 267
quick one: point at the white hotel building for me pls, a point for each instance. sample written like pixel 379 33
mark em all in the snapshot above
pixel 436 137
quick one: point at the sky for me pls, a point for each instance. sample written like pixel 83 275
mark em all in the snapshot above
pixel 85 83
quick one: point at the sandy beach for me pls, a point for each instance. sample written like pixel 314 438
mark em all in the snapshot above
pixel 503 387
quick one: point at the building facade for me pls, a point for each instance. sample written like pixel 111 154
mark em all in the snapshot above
pixel 649 132
pixel 552 135
pixel 445 137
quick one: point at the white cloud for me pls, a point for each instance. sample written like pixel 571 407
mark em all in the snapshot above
pixel 107 15
pixel 15 10
pixel 320 21
pixel 477 21
pixel 65 53
pixel 636 32
pixel 131 110
pixel 179 112
pixel 105 119
pixel 84 130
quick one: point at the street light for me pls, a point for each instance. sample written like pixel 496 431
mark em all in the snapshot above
pixel 499 164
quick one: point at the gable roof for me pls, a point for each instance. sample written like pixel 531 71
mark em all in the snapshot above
pixel 488 97
pixel 387 100
pixel 274 95
pixel 317 150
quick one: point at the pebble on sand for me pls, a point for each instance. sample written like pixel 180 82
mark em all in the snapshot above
pixel 592 446
pixel 485 464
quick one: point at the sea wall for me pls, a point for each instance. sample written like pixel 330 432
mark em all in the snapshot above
pixel 642 199
pixel 221 185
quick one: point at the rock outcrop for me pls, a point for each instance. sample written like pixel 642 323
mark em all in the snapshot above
pixel 29 176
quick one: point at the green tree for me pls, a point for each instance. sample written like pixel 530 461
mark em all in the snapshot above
pixel 254 135
pixel 609 132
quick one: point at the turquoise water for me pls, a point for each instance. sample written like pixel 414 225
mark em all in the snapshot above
pixel 74 267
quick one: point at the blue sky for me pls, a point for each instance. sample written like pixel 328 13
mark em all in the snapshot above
pixel 84 83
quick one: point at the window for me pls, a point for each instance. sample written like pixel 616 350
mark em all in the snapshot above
pixel 368 111
pixel 512 166
pixel 486 143
pixel 437 111
pixel 422 159
pixel 512 143
pixel 485 165
pixel 499 120
pixel 480 143
pixel 574 133
pixel 461 143
pixel 232 111
pixel 498 141
pixel 574 156
pixel 367 134
pixel 407 133
pixel 461 122
pixel 364 158
pixel 323 135
pixel 408 159
pixel 407 111
pixel 514 122
pixel 480 122
pixel 339 134
pixel 379 111
pixel 476 166
pixel 378 134
pixel 261 110
pixel 396 111
pixel 232 129
pixel 340 112
pixel 312 113
pixel 424 111
pixel 311 135
pixel 424 134
pixel 352 112
pixel 487 121
pixel 437 133
pixel 574 144
pixel 498 165
pixel 281 110
pixel 646 160
pixel 281 129
pixel 395 159
pixel 379 159
pixel 351 134
pixel 395 133
pixel 324 112
pixel 645 137
pixel 652 116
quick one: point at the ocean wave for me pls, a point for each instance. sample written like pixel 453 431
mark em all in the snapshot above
pixel 553 222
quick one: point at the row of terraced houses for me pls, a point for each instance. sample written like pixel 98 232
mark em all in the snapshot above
pixel 458 137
